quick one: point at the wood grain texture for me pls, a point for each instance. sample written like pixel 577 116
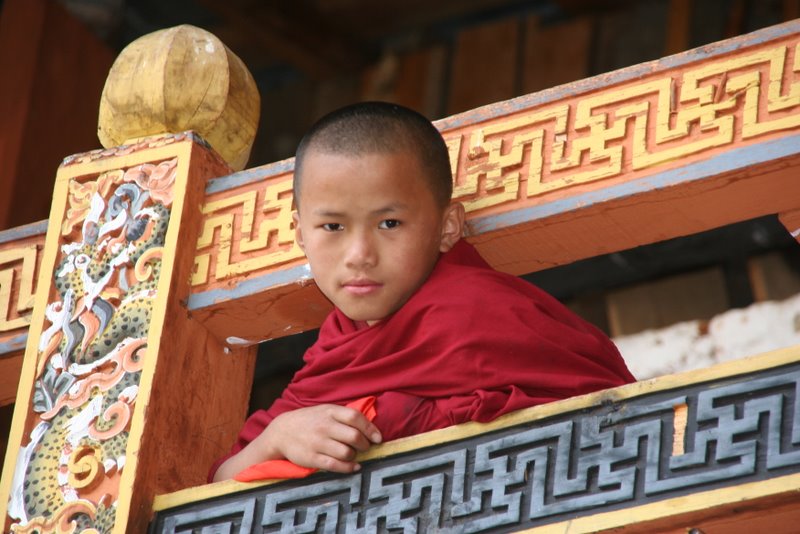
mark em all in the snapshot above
pixel 659 303
pixel 187 80
pixel 196 391
pixel 484 68
pixel 415 80
pixel 10 369
pixel 192 394
pixel 58 69
pixel 678 22
pixel 556 54
pixel 773 277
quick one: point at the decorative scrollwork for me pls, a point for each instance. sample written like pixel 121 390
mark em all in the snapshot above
pixel 618 455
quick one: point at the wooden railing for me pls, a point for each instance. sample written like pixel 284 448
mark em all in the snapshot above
pixel 715 450
pixel 659 150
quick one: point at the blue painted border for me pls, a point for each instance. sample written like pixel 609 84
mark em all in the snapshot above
pixel 729 161
pixel 22 232
pixel 491 111
pixel 14 344
pixel 250 286
pixel 248 176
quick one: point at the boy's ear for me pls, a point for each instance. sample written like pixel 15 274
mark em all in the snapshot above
pixel 452 226
pixel 298 233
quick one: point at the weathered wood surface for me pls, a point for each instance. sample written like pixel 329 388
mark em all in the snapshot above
pixel 678 452
pixel 555 54
pixel 659 150
pixel 186 79
pixel 54 68
pixel 20 257
pixel 122 395
pixel 655 151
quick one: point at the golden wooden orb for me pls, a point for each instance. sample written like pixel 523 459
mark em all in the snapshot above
pixel 179 79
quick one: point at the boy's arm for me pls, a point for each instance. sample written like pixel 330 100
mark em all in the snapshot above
pixel 326 436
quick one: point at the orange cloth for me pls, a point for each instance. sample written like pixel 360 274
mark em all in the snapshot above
pixel 284 468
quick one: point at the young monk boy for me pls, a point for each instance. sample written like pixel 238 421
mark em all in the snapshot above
pixel 421 322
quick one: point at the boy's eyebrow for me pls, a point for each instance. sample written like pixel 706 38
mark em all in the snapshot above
pixel 322 212
pixel 390 208
pixel 394 206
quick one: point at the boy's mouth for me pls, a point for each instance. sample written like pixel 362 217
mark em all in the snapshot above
pixel 361 286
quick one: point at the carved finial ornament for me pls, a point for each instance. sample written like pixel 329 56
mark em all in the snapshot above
pixel 178 79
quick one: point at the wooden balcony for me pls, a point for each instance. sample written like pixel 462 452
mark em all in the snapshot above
pixel 664 149
pixel 715 450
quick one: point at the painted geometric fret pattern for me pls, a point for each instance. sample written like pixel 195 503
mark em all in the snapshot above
pixel 17 286
pixel 92 350
pixel 254 225
pixel 610 457
pixel 633 129
pixel 628 129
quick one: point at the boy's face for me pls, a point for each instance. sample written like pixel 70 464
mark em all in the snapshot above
pixel 371 229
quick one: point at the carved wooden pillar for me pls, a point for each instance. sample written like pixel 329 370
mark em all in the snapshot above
pixel 123 395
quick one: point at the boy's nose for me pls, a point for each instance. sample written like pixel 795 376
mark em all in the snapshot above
pixel 360 252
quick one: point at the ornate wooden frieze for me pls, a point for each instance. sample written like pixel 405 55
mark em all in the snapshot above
pixel 564 155
pixel 92 429
pixel 532 150
pixel 19 264
pixel 247 225
pixel 20 256
pixel 670 115
pixel 599 156
pixel 613 456
pixel 91 352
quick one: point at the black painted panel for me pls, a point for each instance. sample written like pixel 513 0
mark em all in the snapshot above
pixel 608 457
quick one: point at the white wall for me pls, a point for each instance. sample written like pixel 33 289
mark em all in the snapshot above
pixel 736 333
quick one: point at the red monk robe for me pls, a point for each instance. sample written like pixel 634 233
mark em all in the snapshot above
pixel 470 345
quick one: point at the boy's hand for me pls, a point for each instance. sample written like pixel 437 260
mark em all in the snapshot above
pixel 326 436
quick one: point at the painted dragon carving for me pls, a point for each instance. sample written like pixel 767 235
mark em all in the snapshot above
pixel 92 351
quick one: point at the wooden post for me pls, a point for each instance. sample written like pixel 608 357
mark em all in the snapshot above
pixel 640 155
pixel 122 394
pixel 115 365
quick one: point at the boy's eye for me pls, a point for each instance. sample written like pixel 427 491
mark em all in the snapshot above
pixel 332 227
pixel 388 224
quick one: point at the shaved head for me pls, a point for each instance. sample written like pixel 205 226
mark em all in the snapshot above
pixel 380 128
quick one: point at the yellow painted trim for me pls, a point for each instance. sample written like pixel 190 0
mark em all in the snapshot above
pixel 118 161
pixel 28 374
pixel 692 502
pixel 199 493
pixel 183 151
pixel 746 365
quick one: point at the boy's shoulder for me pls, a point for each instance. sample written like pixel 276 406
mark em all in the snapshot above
pixel 463 278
